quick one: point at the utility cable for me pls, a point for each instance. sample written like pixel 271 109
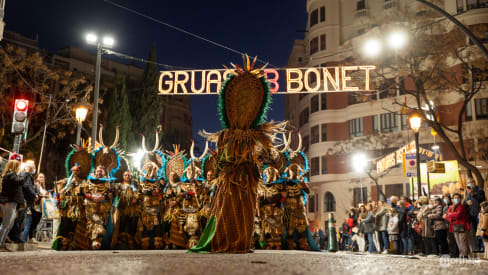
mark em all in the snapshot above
pixel 182 30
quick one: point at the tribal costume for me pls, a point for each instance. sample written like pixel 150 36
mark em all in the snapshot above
pixel 70 201
pixel 150 229
pixel 100 191
pixel 270 210
pixel 296 188
pixel 174 217
pixel 243 101
pixel 126 215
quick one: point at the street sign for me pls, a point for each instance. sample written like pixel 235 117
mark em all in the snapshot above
pixel 410 165
pixel 15 156
pixel 436 167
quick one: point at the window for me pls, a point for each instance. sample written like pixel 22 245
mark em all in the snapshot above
pixel 353 98
pixel 303 117
pixel 311 203
pixel 323 132
pixel 356 127
pixel 481 108
pixel 323 101
pixel 389 123
pixel 322 14
pixel 476 4
pixel 314 133
pixel 459 5
pixel 329 202
pixel 361 5
pixel 306 143
pixel 393 190
pixel 404 122
pixel 375 124
pixel 314 45
pixel 314 18
pixel 479 74
pixel 323 45
pixel 358 194
pixel 469 111
pixel 315 166
pixel 324 165
pixel 314 104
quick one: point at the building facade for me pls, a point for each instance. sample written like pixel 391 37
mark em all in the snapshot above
pixel 176 116
pixel 330 121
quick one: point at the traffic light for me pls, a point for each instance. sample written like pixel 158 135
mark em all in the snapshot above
pixel 19 124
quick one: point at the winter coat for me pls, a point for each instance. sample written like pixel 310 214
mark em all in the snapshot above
pixel 402 221
pixel 482 230
pixel 436 216
pixel 457 215
pixel 473 209
pixel 393 225
pixel 381 219
pixel 28 188
pixel 12 188
pixel 369 223
pixel 427 223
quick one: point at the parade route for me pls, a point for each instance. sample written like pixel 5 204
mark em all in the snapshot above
pixel 259 262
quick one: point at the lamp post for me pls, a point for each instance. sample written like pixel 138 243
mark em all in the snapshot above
pixel 81 112
pixel 107 42
pixel 359 162
pixel 415 124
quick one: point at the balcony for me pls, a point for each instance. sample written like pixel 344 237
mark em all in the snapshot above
pixel 361 13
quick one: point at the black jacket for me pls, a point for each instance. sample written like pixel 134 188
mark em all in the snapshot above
pixel 28 188
pixel 12 188
pixel 402 221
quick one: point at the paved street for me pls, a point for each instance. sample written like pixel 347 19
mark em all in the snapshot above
pixel 260 262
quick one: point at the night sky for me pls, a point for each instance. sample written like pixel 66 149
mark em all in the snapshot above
pixel 266 28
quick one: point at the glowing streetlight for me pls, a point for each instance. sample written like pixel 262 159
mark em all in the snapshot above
pixel 415 124
pixel 108 42
pixel 372 47
pixel 80 112
pixel 359 162
pixel 397 40
pixel 91 38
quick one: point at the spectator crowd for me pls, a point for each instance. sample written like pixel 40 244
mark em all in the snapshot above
pixel 453 225
pixel 20 203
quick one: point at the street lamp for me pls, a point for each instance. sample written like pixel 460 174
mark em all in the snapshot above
pixel 107 41
pixel 81 112
pixel 397 40
pixel 372 47
pixel 415 124
pixel 359 162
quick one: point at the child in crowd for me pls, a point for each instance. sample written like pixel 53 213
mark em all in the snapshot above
pixel 393 230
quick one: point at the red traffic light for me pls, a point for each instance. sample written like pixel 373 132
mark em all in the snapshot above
pixel 21 105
